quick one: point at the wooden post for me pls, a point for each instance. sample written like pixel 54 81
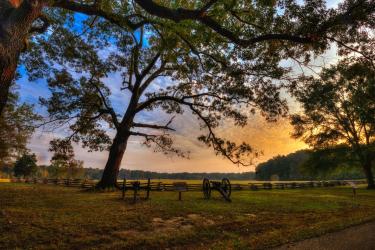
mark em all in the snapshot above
pixel 179 195
pixel 123 188
pixel 83 183
pixel 135 195
pixel 148 188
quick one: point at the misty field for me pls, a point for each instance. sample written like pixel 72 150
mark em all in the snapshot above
pixel 45 217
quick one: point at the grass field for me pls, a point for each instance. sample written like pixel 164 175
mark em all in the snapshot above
pixel 45 217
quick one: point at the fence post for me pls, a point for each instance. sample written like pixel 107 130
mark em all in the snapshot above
pixel 83 183
pixel 148 188
pixel 123 188
pixel 135 193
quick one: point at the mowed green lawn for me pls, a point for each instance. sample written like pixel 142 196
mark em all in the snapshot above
pixel 51 217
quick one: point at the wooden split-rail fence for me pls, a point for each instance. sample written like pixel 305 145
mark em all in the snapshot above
pixel 80 183
pixel 161 186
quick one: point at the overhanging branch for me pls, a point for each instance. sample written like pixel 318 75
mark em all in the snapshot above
pixel 353 15
pixel 95 10
pixel 152 126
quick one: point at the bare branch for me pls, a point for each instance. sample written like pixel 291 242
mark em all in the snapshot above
pixel 147 136
pixel 149 66
pixel 154 126
pixel 215 142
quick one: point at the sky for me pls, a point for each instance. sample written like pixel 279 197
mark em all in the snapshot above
pixel 271 139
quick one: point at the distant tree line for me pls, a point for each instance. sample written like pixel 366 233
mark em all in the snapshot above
pixel 26 167
pixel 283 167
pixel 311 165
pixel 301 165
pixel 95 173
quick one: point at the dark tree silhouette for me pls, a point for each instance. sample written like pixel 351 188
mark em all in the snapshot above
pixel 339 109
pixel 26 165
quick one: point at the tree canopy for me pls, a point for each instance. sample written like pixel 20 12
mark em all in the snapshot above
pixel 63 163
pixel 284 27
pixel 26 165
pixel 339 108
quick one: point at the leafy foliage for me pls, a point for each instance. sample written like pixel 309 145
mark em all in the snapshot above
pixel 26 165
pixel 63 163
pixel 339 109
pixel 17 124
pixel 286 167
pixel 325 164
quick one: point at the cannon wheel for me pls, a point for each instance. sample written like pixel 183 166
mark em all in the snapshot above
pixel 206 188
pixel 226 186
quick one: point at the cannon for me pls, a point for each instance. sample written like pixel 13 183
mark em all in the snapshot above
pixel 223 187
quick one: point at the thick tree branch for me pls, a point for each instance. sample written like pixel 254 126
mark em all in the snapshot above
pixel 351 16
pixel 152 77
pixel 95 10
pixel 149 66
pixel 108 109
pixel 180 14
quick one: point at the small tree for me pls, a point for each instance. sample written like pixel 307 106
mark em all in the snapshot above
pixel 339 109
pixel 16 127
pixel 26 165
pixel 63 163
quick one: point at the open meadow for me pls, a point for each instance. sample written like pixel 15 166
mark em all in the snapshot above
pixel 53 217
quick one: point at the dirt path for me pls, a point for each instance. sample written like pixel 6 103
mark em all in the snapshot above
pixel 361 237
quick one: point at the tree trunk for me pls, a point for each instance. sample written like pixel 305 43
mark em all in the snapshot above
pixel 16 19
pixel 112 168
pixel 367 167
pixel 6 77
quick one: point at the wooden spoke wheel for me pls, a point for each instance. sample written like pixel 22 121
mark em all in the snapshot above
pixel 206 188
pixel 226 186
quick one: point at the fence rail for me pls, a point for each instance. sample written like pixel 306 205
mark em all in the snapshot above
pixel 160 186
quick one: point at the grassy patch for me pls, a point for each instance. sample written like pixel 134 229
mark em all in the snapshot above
pixel 41 216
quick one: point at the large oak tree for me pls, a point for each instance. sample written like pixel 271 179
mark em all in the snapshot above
pixel 240 23
pixel 213 88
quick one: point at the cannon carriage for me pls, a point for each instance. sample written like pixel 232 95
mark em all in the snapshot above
pixel 223 187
